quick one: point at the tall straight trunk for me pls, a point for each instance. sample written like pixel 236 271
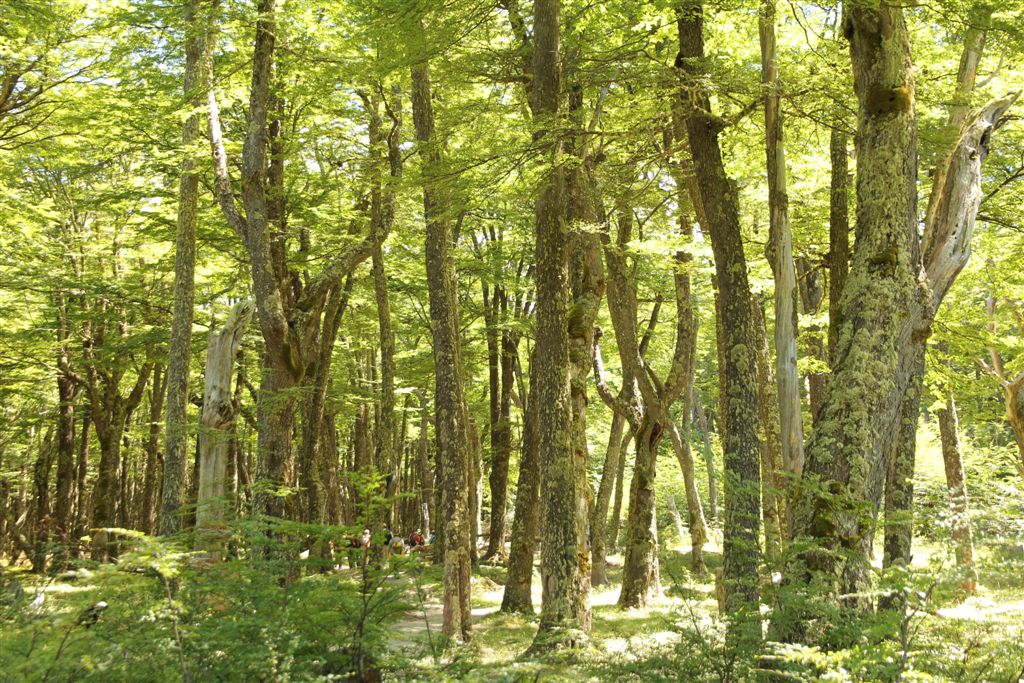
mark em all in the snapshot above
pixel 449 402
pixel 615 524
pixel 838 234
pixel 382 214
pixel 491 307
pixel 212 506
pixel 151 477
pixel 40 513
pixel 63 508
pixel 424 473
pixel 517 596
pixel 475 487
pixel 812 293
pixel 701 419
pixel 599 515
pixel 956 485
pixel 780 251
pixel 740 445
pixel 565 608
pixel 501 445
pixel 772 498
pixel 197 27
pixel 81 475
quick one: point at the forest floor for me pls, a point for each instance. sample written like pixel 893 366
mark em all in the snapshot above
pixel 636 644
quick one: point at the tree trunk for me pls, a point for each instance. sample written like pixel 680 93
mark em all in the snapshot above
pixel 780 252
pixel 212 506
pixel 599 515
pixel 899 479
pixel 40 514
pixel 772 501
pixel 517 596
pixel 838 235
pixel 426 477
pixel 154 459
pixel 564 553
pixel 449 401
pixel 616 521
pixel 848 453
pixel 63 508
pixel 81 490
pixel 197 52
pixel 709 457
pixel 740 445
pixel 956 485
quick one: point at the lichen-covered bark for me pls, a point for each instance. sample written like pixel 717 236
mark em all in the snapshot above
pixel 838 233
pixel 847 455
pixel 565 610
pixel 517 595
pixel 740 443
pixel 451 425
pixel 197 51
pixel 899 478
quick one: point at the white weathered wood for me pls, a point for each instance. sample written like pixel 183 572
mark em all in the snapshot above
pixel 215 435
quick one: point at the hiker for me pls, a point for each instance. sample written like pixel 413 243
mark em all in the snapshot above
pixel 415 539
pixel 396 546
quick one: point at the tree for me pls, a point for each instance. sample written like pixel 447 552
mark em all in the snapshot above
pixel 740 445
pixel 198 55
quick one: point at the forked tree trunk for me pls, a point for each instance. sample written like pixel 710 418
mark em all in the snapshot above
pixel 212 505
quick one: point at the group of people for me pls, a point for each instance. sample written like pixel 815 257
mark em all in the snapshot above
pixel 392 544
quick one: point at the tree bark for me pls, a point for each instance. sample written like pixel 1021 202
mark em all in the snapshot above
pixel 449 401
pixel 212 506
pixel 709 459
pixel 772 497
pixel 599 515
pixel 565 609
pixel 63 508
pixel 197 52
pixel 956 485
pixel 740 445
pixel 517 596
pixel 780 251
pixel 838 235
pixel 154 459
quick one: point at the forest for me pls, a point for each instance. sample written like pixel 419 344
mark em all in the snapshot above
pixel 511 340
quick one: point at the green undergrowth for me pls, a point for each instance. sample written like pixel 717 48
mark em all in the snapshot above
pixel 270 614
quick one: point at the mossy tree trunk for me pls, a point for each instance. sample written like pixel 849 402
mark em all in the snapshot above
pixel 740 443
pixel 451 425
pixel 197 51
